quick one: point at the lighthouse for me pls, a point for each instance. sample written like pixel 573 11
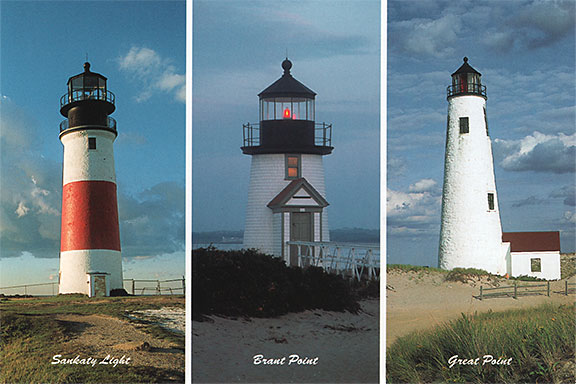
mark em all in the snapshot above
pixel 471 232
pixel 90 257
pixel 287 194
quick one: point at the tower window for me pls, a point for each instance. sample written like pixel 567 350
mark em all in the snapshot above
pixel 91 143
pixel 536 265
pixel 293 167
pixel 491 201
pixel 464 127
pixel 486 122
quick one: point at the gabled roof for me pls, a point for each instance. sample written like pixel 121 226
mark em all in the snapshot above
pixel 298 189
pixel 532 241
pixel 287 86
pixel 466 68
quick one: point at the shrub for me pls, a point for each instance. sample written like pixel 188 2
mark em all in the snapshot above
pixel 247 283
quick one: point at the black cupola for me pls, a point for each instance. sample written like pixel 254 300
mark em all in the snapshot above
pixel 466 81
pixel 287 113
pixel 87 103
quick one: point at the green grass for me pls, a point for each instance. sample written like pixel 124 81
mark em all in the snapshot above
pixel 540 342
pixel 30 336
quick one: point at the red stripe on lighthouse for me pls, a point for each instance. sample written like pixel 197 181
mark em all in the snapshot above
pixel 89 216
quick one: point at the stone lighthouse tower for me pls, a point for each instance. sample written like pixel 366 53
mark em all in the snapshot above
pixel 287 196
pixel 471 233
pixel 90 258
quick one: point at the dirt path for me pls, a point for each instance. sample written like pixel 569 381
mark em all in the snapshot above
pixel 98 336
pixel 417 302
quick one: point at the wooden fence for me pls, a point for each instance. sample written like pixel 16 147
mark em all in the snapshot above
pixel 523 290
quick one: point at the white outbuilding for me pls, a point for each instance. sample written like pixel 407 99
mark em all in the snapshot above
pixel 535 254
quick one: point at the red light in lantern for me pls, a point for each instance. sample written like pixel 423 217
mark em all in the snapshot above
pixel 287 114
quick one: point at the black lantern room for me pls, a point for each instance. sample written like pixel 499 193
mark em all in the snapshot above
pixel 287 120
pixel 87 103
pixel 466 81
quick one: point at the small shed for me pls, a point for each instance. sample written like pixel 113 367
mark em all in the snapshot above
pixel 534 254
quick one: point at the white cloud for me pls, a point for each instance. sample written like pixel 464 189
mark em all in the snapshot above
pixel 153 73
pixel 424 185
pixel 538 152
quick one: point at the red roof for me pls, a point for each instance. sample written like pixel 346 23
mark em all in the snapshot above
pixel 532 241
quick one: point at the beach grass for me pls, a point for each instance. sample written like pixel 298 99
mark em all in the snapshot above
pixel 30 335
pixel 535 345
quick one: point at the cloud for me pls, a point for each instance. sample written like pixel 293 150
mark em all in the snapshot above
pixel 568 193
pixel 532 200
pixel 424 185
pixel 539 153
pixel 542 23
pixel 151 224
pixel 31 187
pixel 416 211
pixel 153 73
pixel 420 36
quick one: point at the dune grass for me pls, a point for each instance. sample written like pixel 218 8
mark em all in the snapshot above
pixel 539 341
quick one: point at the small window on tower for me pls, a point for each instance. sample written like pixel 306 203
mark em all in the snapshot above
pixel 535 265
pixel 91 143
pixel 464 125
pixel 293 168
pixel 486 122
pixel 491 201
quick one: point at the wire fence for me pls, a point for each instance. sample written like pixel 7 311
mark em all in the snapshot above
pixel 132 286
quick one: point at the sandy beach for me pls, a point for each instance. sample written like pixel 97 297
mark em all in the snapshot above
pixel 417 301
pixel 343 345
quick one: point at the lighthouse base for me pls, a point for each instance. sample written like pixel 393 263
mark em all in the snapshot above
pixel 90 272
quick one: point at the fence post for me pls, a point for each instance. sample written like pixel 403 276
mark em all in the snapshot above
pixel 515 289
pixel 133 287
pixel 158 287
pixel 52 289
pixel 566 291
pixel 548 289
pixel 183 286
pixel 480 292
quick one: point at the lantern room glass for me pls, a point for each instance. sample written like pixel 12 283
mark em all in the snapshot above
pixel 87 86
pixel 287 108
pixel 466 82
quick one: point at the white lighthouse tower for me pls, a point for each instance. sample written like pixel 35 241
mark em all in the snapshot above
pixel 90 257
pixel 471 233
pixel 287 196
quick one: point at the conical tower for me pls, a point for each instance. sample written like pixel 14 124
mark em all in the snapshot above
pixel 471 232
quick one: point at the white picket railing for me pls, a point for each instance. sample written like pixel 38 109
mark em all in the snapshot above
pixel 358 261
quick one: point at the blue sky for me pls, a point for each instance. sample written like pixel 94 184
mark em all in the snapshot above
pixel 140 46
pixel 237 51
pixel 525 52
